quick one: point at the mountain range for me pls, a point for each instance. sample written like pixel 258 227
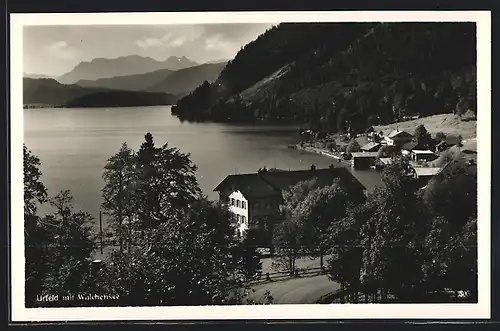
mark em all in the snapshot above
pixel 163 86
pixel 177 82
pixel 340 76
pixel 122 66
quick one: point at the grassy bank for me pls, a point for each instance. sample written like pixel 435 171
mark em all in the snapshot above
pixel 449 124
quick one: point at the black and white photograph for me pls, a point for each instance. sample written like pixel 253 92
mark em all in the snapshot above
pixel 256 165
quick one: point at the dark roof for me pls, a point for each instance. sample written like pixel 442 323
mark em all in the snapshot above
pixel 409 145
pixel 270 183
pixel 370 146
pixel 251 185
pixel 398 133
pixel 364 154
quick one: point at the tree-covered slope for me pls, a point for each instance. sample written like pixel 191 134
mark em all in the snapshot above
pixel 49 92
pixel 122 99
pixel 184 81
pixel 139 82
pixel 337 75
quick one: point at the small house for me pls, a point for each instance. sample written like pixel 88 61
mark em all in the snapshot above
pixel 423 175
pixel 398 138
pixel 371 147
pixel 382 162
pixel 422 155
pixel 363 160
pixel 408 147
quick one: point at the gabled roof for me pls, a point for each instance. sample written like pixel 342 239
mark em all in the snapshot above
pixel 271 183
pixel 364 154
pixel 250 185
pixel 398 133
pixel 385 160
pixel 370 146
pixel 409 145
pixel 422 151
pixel 425 171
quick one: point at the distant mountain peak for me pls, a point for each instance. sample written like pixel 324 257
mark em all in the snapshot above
pixel 133 64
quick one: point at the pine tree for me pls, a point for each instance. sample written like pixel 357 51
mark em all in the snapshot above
pixel 119 194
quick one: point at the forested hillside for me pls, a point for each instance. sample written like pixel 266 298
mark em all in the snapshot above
pixel 122 99
pixel 139 82
pixel 183 81
pixel 340 75
pixel 48 92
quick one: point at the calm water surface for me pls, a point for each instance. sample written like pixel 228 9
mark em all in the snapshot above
pixel 74 144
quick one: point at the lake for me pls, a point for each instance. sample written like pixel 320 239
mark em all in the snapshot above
pixel 74 144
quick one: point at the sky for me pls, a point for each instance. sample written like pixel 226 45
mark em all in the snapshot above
pixel 55 50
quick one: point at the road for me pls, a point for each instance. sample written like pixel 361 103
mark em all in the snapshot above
pixel 307 290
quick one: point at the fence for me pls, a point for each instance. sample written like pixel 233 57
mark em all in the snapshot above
pixel 282 275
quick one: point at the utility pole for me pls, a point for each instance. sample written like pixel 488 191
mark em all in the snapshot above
pixel 100 228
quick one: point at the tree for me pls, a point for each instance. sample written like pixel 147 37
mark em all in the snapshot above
pixel 118 194
pixel 452 239
pixel 189 260
pixel 35 192
pixel 249 264
pixel 166 183
pixel 344 247
pixel 353 146
pixel 287 244
pixel 70 248
pixel 35 235
pixel 286 233
pixel 331 145
pixel 422 137
pixel 319 211
pixel 440 136
pixel 392 234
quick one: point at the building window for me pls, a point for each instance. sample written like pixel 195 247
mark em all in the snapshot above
pixel 238 203
pixel 238 217
pixel 243 219
pixel 243 205
pixel 232 201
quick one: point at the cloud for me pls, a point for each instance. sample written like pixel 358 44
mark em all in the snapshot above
pixel 178 37
pixel 218 42
pixel 149 42
pixel 62 50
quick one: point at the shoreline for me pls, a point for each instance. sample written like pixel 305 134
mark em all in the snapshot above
pixel 321 152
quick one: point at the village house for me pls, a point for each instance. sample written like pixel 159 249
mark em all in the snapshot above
pixel 423 175
pixel 398 138
pixel 363 160
pixel 371 147
pixel 254 198
pixel 425 155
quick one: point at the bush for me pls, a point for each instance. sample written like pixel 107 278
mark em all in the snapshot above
pixel 331 145
pixel 353 146
pixel 440 136
pixel 469 115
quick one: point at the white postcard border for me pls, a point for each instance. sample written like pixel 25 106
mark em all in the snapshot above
pixel 268 312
